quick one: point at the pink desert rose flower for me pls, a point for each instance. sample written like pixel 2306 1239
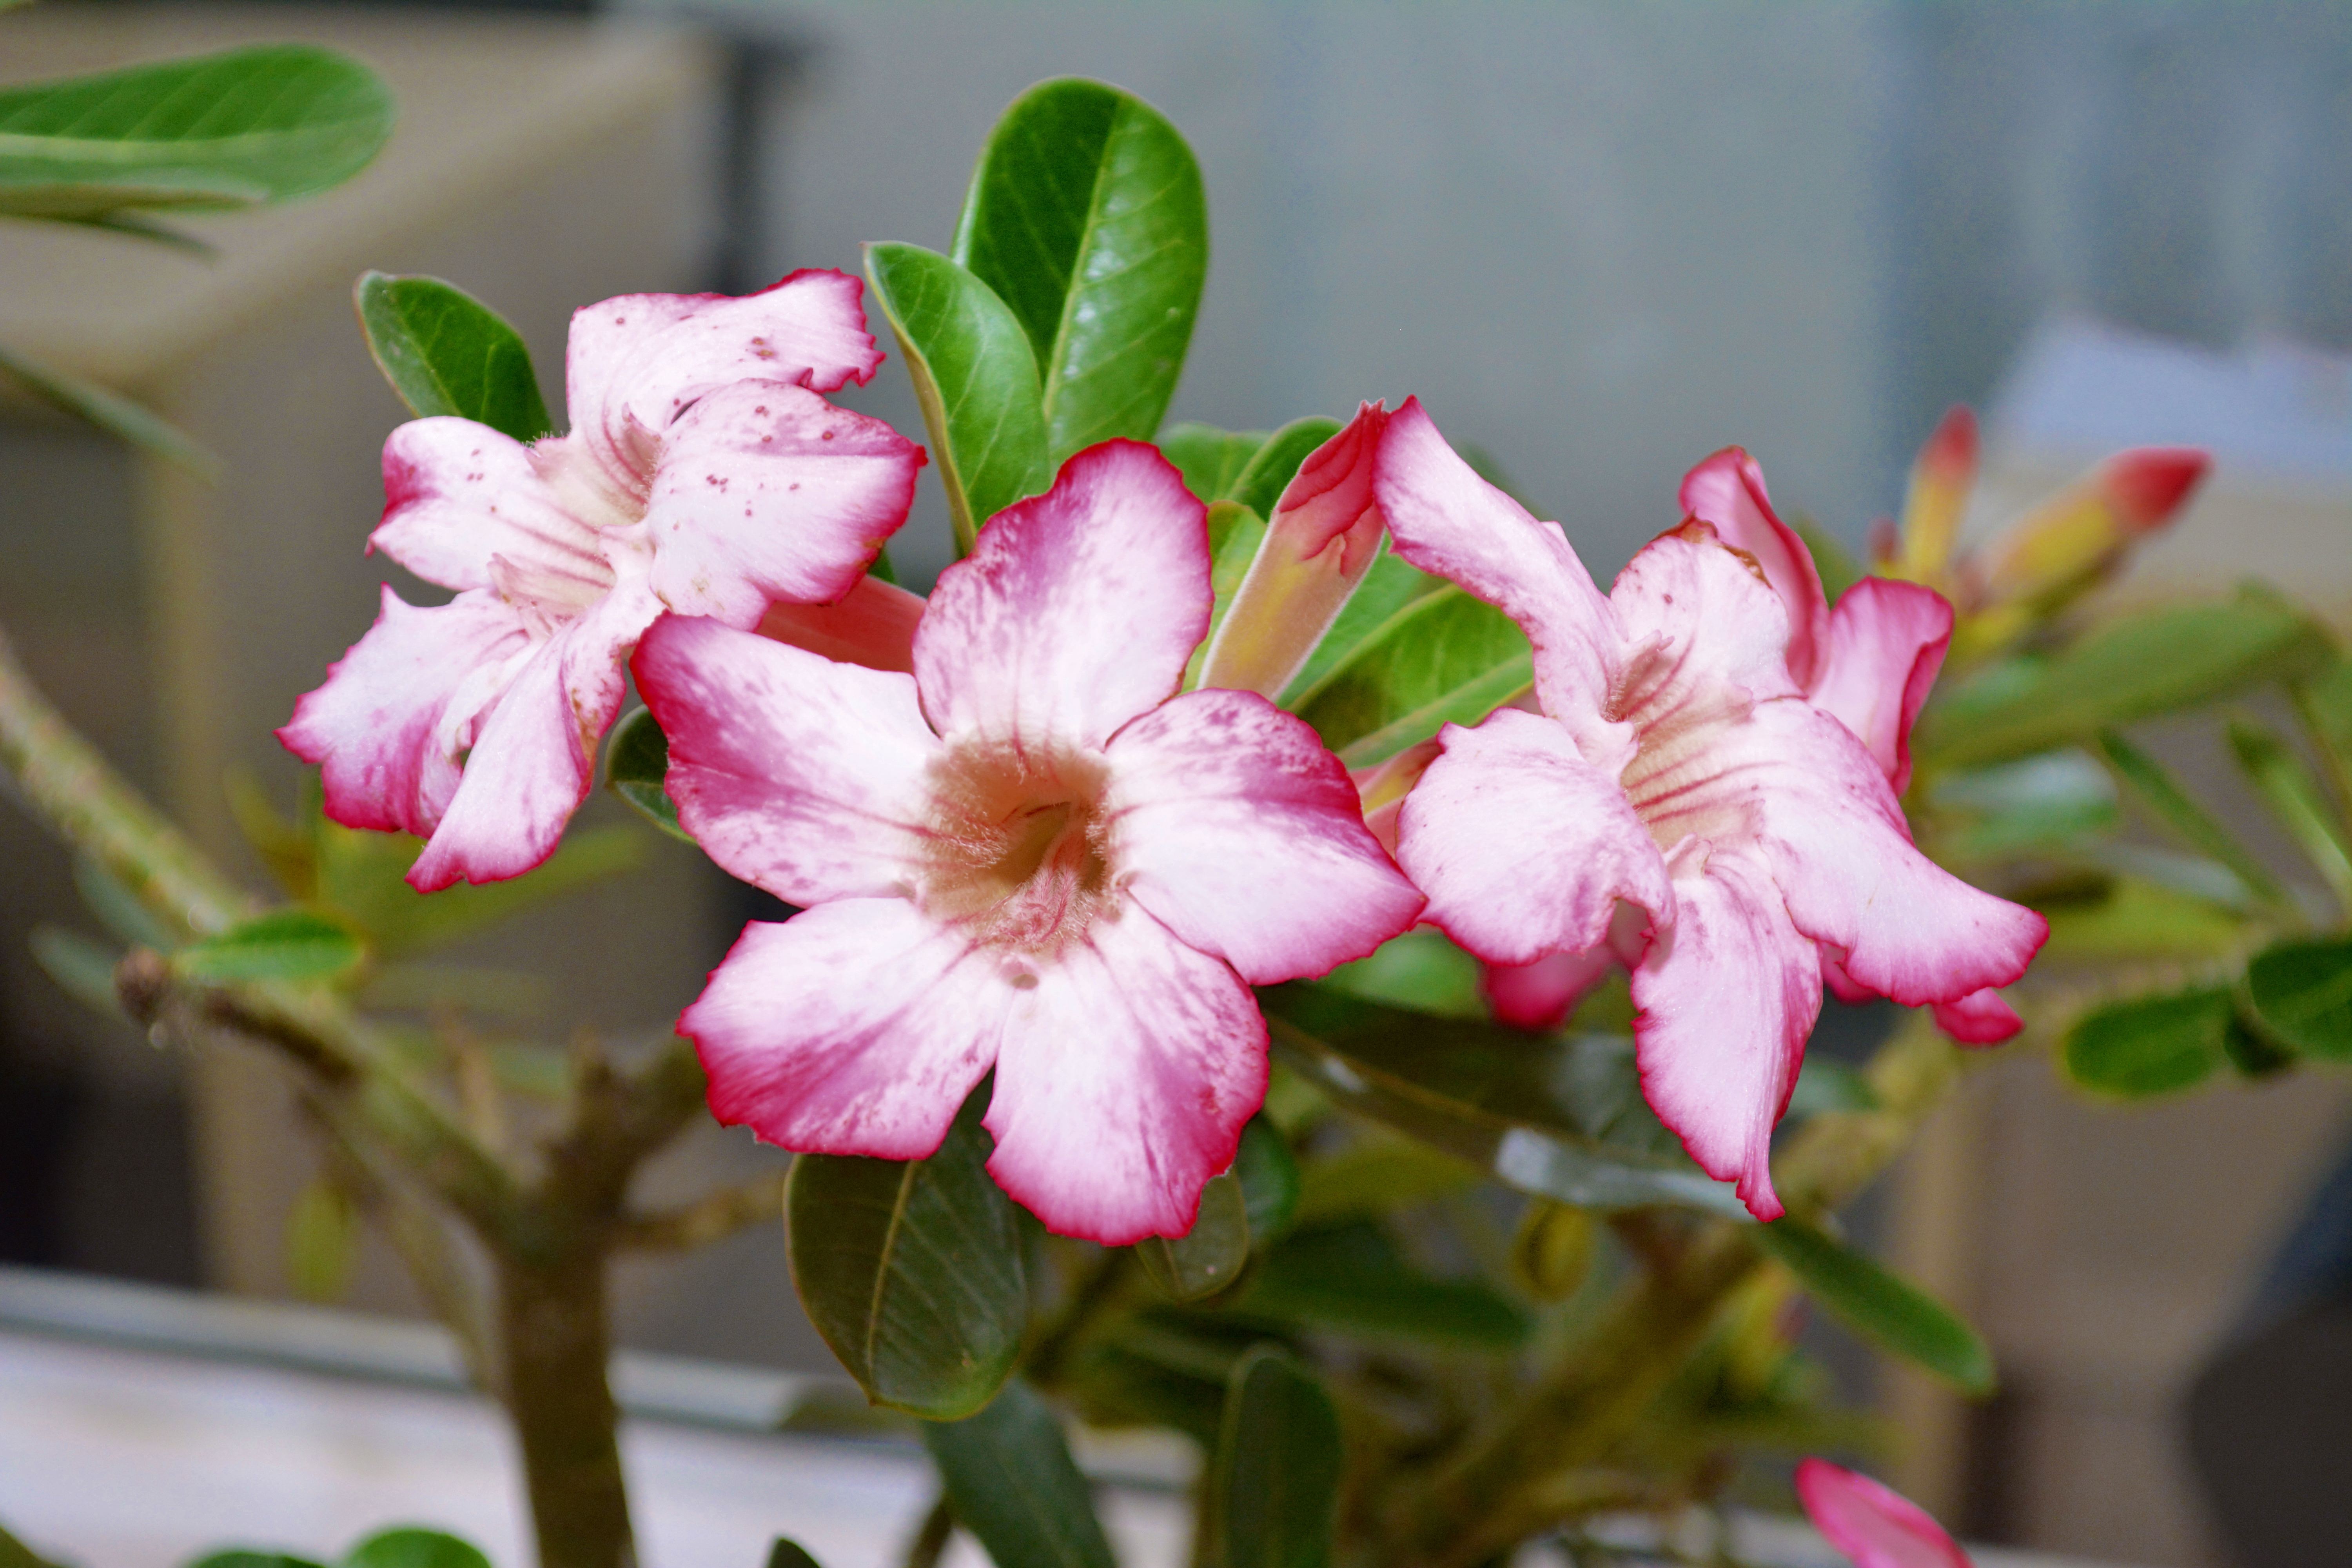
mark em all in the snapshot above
pixel 1032 853
pixel 704 475
pixel 1678 798
pixel 1872 1525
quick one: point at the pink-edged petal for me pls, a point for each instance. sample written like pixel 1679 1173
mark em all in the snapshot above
pixel 1123 1078
pixel 533 754
pixel 1076 611
pixel 1444 519
pixel 1886 643
pixel 799 774
pixel 1726 1001
pixel 1979 1018
pixel 1708 638
pixel 766 492
pixel 1540 995
pixel 1238 831
pixel 1942 478
pixel 1843 986
pixel 857 1027
pixel 873 625
pixel 1523 847
pixel 1727 492
pixel 456 493
pixel 1876 1526
pixel 636 363
pixel 396 712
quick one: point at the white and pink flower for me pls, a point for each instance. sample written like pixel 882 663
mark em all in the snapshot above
pixel 1874 1525
pixel 705 475
pixel 1031 855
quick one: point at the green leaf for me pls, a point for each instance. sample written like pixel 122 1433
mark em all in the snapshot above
pixel 323 1241
pixel 637 768
pixel 409 1547
pixel 1351 1280
pixel 2154 787
pixel 444 351
pixel 1823 1085
pixel 1446 658
pixel 1558 1118
pixel 114 414
pixel 118 908
pixel 1279 1460
pixel 1208 1258
pixel 2051 802
pixel 2326 702
pixel 1387 589
pixel 1274 465
pixel 1087 218
pixel 360 872
pixel 1211 460
pixel 223 130
pixel 2296 799
pixel 83 969
pixel 976 378
pixel 1012 1482
pixel 1421 970
pixel 2302 992
pixel 912 1271
pixel 1880 1305
pixel 284 944
pixel 15 1553
pixel 2149 662
pixel 1376 1174
pixel 2150 1045
pixel 786 1552
pixel 240 1557
pixel 2133 916
pixel 1268 1173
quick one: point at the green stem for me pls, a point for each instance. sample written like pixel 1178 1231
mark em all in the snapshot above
pixel 556 1348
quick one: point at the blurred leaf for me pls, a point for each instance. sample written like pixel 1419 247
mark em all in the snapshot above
pixel 1444 658
pixel 1275 1474
pixel 1375 1174
pixel 637 768
pixel 15 1553
pixel 1351 1280
pixel 1881 1306
pixel 283 944
pixel 83 970
pixel 1551 1251
pixel 112 413
pixel 118 908
pixel 2302 992
pixel 284 845
pixel 1211 460
pixel 1275 464
pixel 1087 218
pixel 132 225
pixel 409 1547
pixel 446 352
pixel 515 995
pixel 787 1552
pixel 2153 786
pixel 2135 665
pixel 323 1241
pixel 2150 1045
pixel 2296 799
pixel 1823 1085
pixel 912 1271
pixel 1269 1178
pixel 2053 801
pixel 2133 917
pixel 360 877
pixel 1836 564
pixel 1386 588
pixel 1558 1118
pixel 976 377
pixel 1421 970
pixel 226 130
pixel 1012 1482
pixel 1208 1258
pixel 242 1558
pixel 2326 703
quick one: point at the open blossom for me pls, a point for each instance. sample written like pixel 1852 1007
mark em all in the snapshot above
pixel 1874 1525
pixel 1678 798
pixel 704 474
pixel 1032 853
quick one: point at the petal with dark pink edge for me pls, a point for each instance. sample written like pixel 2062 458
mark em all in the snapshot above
pixel 397 710
pixel 1874 1525
pixel 456 493
pixel 856 1027
pixel 1123 1078
pixel 531 764
pixel 1523 847
pixel 1708 639
pixel 1444 519
pixel 1980 1018
pixel 793 772
pixel 641 360
pixel 1886 644
pixel 1728 491
pixel 767 492
pixel 1541 994
pixel 1075 610
pixel 1229 821
pixel 1843 986
pixel 1726 1001
pixel 873 625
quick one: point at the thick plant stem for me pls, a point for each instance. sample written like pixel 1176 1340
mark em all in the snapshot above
pixel 556 1348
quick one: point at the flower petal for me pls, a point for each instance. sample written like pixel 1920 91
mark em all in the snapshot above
pixel 1230 823
pixel 397 711
pixel 1708 638
pixel 873 625
pixel 793 772
pixel 857 1027
pixel 1075 610
pixel 1874 1525
pixel 1727 492
pixel 1540 995
pixel 766 492
pixel 1444 519
pixel 1980 1018
pixel 1123 1078
pixel 1886 643
pixel 1942 476
pixel 456 493
pixel 1727 999
pixel 1523 847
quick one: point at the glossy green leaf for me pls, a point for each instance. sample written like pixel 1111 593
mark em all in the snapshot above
pixel 1087 218
pixel 223 130
pixel 1446 658
pixel 1012 1482
pixel 1880 1305
pixel 2150 1045
pixel 786 1552
pixel 323 1241
pixel 1279 1460
pixel 1275 464
pixel 2302 992
pixel 912 1270
pixel 1210 1257
pixel 446 352
pixel 2296 799
pixel 1558 1118
pixel 2153 786
pixel 2132 666
pixel 1268 1173
pixel 1351 1280
pixel 82 969
pixel 360 879
pixel 1211 460
pixel 112 413
pixel 284 944
pixel 409 1547
pixel 637 768
pixel 975 377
